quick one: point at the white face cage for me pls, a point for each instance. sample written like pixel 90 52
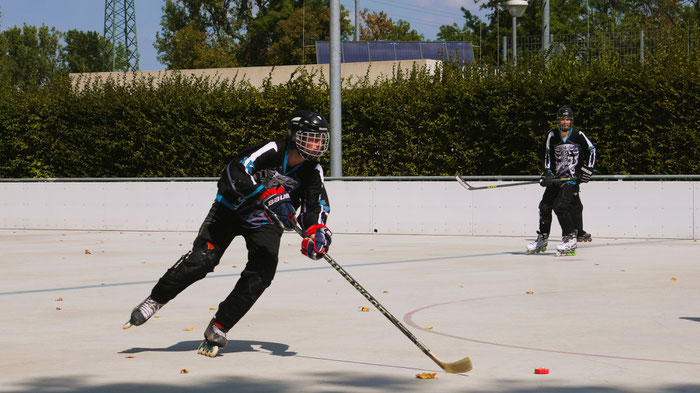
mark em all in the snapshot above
pixel 565 127
pixel 312 145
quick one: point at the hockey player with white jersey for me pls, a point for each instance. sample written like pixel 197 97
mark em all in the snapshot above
pixel 568 154
pixel 279 176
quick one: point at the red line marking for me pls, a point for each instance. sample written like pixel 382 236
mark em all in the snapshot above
pixel 408 318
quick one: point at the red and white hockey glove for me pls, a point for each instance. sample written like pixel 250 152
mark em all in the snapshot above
pixel 317 241
pixel 278 207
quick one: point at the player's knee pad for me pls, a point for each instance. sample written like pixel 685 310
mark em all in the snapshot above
pixel 545 210
pixel 561 207
pixel 255 283
pixel 197 263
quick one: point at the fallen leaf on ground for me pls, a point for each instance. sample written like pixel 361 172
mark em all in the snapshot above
pixel 129 357
pixel 88 252
pixel 60 299
pixel 673 279
pixel 426 375
pixel 428 328
pixel 184 371
pixel 58 308
pixel 212 308
pixel 529 292
pixel 189 329
pixel 364 309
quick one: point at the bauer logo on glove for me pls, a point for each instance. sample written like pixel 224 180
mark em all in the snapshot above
pixel 278 207
pixel 317 241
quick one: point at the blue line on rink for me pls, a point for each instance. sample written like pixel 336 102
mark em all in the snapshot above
pixel 118 284
pixel 647 241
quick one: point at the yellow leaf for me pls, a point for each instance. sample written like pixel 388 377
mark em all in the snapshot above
pixel 529 292
pixel 189 329
pixel 428 328
pixel 184 371
pixel 426 375
pixel 88 252
pixel 365 309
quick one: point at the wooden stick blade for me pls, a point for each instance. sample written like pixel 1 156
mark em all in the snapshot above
pixel 461 366
pixel 463 183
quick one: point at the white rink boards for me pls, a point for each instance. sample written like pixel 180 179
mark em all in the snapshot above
pixel 626 209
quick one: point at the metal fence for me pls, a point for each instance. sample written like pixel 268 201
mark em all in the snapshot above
pixel 687 177
pixel 635 45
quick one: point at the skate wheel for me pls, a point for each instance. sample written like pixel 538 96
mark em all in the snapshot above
pixel 126 325
pixel 208 349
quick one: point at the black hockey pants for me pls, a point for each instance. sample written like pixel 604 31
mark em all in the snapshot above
pixel 558 198
pixel 216 233
pixel 577 211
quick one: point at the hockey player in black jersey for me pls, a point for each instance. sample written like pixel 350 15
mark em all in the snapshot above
pixel 281 176
pixel 568 154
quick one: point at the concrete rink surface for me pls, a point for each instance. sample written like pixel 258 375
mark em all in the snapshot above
pixel 621 316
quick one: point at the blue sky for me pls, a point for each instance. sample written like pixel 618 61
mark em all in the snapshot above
pixel 425 16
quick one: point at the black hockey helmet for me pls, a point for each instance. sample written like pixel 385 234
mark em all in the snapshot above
pixel 565 113
pixel 309 131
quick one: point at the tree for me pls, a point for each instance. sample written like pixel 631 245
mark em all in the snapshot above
pixel 279 26
pixel 294 42
pixel 89 52
pixel 30 56
pixel 379 27
pixel 226 33
pixel 200 33
pixel 469 32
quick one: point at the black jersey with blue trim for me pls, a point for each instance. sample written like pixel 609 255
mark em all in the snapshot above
pixel 263 166
pixel 564 157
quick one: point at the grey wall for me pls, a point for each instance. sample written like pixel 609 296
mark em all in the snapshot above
pixel 629 209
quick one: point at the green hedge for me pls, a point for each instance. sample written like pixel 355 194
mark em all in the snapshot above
pixel 643 119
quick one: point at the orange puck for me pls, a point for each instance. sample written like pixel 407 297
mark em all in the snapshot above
pixel 541 371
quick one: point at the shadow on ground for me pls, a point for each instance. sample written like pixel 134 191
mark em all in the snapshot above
pixel 275 349
pixel 325 382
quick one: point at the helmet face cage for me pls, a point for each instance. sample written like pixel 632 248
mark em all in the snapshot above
pixel 565 114
pixel 311 145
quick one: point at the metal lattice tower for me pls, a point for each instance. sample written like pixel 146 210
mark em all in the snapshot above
pixel 120 31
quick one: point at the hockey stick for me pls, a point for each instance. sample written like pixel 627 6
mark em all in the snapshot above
pixel 472 188
pixel 461 366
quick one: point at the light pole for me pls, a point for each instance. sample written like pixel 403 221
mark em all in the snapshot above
pixel 545 25
pixel 516 9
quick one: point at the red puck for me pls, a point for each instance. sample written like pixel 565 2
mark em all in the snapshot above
pixel 541 371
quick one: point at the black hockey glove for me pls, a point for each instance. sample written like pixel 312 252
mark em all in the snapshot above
pixel 317 241
pixel 547 179
pixel 585 175
pixel 278 202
